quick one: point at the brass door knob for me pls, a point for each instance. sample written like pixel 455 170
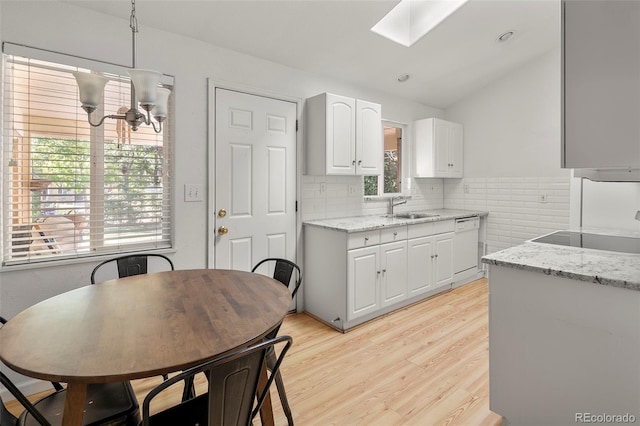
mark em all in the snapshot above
pixel 223 230
pixel 222 213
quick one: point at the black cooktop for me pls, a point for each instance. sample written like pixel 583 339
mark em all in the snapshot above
pixel 592 241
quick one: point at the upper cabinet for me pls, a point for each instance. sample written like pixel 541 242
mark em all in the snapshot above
pixel 437 149
pixel 344 136
pixel 601 85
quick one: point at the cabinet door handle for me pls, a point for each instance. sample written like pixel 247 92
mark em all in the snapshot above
pixel 378 272
pixel 366 239
pixel 436 256
pixel 353 163
pixel 395 234
pixel 432 256
pixel 359 162
pixel 384 270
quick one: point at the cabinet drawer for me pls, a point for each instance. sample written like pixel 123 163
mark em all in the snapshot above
pixel 443 226
pixel 420 230
pixel 363 239
pixel 397 233
pixel 430 228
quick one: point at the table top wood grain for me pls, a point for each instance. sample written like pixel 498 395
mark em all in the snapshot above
pixel 142 326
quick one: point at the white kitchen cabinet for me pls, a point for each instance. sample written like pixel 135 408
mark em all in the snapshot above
pixel 438 148
pixel 377 273
pixel 344 136
pixel 363 282
pixel 601 82
pixel 419 265
pixel 443 259
pixel 352 277
pixel 430 260
pixel 393 277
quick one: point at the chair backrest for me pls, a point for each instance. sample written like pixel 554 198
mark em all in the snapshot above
pixel 282 271
pixel 233 386
pixel 133 264
pixel 5 417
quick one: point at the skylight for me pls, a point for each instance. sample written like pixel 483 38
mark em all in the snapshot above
pixel 410 20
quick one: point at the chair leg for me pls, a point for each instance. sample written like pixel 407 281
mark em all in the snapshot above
pixel 271 360
pixel 189 391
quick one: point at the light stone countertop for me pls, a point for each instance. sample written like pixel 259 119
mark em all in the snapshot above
pixel 366 223
pixel 595 266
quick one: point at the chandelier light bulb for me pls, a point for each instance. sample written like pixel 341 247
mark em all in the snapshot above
pixel 159 112
pixel 91 87
pixel 146 85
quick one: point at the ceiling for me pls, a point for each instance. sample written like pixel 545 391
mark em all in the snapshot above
pixel 332 38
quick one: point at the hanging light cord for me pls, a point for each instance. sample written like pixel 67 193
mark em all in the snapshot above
pixel 132 116
pixel 133 21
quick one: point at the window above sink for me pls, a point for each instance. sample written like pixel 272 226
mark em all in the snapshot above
pixel 390 182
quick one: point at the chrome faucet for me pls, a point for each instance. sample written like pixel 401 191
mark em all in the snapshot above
pixel 392 204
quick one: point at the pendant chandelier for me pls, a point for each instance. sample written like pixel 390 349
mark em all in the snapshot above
pixel 144 84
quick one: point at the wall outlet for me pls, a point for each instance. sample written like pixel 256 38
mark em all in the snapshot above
pixel 352 189
pixel 192 192
pixel 465 188
pixel 543 198
pixel 323 187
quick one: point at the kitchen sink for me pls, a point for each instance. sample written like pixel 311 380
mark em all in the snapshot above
pixel 415 215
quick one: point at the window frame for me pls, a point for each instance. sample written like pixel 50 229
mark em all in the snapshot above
pixel 166 215
pixel 404 164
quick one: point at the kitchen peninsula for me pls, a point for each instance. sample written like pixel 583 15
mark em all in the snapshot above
pixel 564 333
pixel 358 268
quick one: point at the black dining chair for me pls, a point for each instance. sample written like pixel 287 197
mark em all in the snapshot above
pixel 112 404
pixel 132 264
pixel 233 384
pixel 283 271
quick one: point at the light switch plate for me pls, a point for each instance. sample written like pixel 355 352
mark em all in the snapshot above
pixel 192 192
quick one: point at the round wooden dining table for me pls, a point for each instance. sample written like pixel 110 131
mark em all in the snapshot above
pixel 140 326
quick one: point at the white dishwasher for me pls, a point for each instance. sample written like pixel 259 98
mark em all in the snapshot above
pixel 465 244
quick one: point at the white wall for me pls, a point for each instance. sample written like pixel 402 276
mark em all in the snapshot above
pixel 512 127
pixel 512 155
pixel 68 29
pixel 610 205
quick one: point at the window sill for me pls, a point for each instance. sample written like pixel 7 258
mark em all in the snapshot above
pixel 73 260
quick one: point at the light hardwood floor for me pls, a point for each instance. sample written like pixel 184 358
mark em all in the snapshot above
pixel 423 365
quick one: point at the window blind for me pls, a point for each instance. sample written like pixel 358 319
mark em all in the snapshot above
pixel 70 189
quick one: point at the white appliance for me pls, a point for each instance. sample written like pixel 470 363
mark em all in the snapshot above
pixel 465 244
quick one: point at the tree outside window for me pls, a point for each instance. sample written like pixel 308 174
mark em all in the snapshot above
pixel 390 182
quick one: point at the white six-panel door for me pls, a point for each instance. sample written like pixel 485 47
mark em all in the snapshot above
pixel 255 177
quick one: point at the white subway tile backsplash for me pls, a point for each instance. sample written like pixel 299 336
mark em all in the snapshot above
pixel 515 211
pixel 338 196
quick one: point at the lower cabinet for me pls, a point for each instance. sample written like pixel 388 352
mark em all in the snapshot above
pixel 430 263
pixel 377 277
pixel 443 259
pixel 353 277
pixel 393 275
pixel 363 281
